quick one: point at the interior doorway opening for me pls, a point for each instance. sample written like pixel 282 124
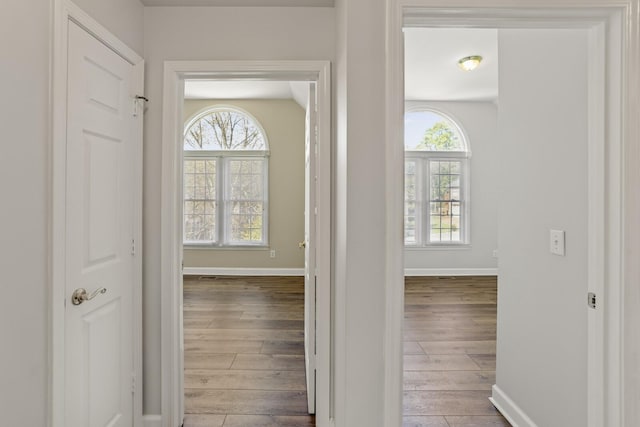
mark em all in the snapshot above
pixel 592 39
pixel 246 231
pixel 240 173
pixel 451 226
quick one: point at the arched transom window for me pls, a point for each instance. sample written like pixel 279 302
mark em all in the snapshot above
pixel 225 179
pixel 436 181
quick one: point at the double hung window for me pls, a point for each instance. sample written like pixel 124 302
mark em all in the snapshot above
pixel 436 194
pixel 225 180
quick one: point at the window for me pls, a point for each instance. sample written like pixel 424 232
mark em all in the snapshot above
pixel 436 174
pixel 225 180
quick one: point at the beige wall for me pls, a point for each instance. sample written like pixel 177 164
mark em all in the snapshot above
pixel 283 122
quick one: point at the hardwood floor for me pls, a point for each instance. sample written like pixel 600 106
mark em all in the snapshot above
pixel 450 348
pixel 244 352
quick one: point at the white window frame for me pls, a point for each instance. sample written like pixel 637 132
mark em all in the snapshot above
pixel 223 157
pixel 423 186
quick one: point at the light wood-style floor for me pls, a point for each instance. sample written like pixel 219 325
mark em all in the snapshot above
pixel 450 352
pixel 244 352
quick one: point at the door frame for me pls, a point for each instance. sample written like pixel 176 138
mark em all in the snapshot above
pixel 175 72
pixel 65 11
pixel 310 234
pixel 614 246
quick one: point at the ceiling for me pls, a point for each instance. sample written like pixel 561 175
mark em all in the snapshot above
pixel 241 3
pixel 431 70
pixel 247 89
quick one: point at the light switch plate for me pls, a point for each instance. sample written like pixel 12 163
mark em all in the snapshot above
pixel 556 242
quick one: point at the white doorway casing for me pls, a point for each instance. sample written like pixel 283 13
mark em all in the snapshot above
pixel 613 82
pixel 309 245
pixel 175 72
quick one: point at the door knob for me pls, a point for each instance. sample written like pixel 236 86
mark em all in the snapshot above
pixel 302 245
pixel 80 295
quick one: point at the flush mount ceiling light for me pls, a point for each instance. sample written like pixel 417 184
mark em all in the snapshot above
pixel 469 63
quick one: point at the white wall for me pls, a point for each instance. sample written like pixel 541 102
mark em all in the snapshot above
pixel 25 43
pixel 360 214
pixel 542 319
pixel 479 121
pixel 195 33
pixel 123 18
pixel 24 120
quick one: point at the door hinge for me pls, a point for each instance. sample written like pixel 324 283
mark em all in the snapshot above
pixel 133 383
pixel 133 247
pixel 138 105
pixel 591 300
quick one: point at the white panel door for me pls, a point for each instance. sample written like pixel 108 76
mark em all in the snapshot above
pixel 100 216
pixel 310 179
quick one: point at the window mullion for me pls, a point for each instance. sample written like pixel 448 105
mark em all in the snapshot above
pixel 265 200
pixel 465 221
pixel 426 205
pixel 222 201
pixel 419 202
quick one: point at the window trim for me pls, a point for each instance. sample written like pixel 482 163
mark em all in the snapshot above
pixel 265 204
pixel 418 106
pixel 217 200
pixel 224 107
pixel 423 177
pixel 223 157
pixel 222 190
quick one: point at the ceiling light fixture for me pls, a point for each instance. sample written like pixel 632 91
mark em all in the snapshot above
pixel 469 63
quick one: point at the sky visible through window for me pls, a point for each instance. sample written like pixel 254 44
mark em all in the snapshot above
pixel 415 123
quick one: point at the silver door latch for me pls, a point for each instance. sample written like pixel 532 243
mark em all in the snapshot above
pixel 80 295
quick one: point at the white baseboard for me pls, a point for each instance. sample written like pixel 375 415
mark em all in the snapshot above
pixel 220 271
pixel 217 271
pixel 152 420
pixel 450 271
pixel 509 409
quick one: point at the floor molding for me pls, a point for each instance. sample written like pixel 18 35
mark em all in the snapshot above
pixel 218 271
pixel 509 409
pixel 450 271
pixel 223 271
pixel 152 421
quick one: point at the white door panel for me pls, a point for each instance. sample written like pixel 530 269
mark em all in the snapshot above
pixel 309 250
pixel 99 232
pixel 104 381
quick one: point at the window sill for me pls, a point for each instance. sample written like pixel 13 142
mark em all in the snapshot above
pixel 452 247
pixel 195 246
